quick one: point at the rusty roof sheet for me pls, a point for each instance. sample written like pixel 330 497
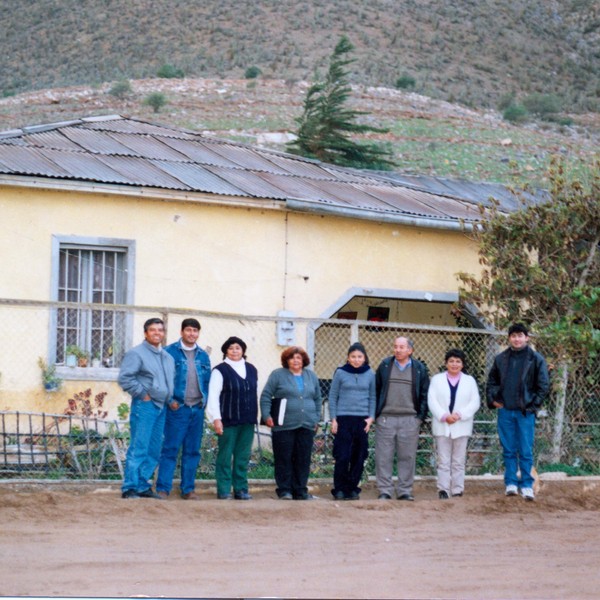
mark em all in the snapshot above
pixel 117 150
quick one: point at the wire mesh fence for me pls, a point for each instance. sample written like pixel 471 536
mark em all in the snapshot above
pixel 44 435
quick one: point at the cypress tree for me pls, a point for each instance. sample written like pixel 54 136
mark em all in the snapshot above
pixel 326 123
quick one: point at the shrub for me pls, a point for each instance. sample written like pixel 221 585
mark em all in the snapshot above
pixel 542 105
pixel 170 72
pixel 120 89
pixel 506 101
pixel 156 100
pixel 252 73
pixel 406 82
pixel 515 113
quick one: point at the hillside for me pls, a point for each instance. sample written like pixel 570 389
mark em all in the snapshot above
pixel 471 52
pixel 428 137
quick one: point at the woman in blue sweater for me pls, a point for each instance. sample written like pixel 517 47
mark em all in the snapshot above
pixel 293 434
pixel 352 409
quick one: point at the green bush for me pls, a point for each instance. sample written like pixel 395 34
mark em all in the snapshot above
pixel 515 113
pixel 406 82
pixel 156 100
pixel 120 89
pixel 506 100
pixel 252 73
pixel 170 72
pixel 542 105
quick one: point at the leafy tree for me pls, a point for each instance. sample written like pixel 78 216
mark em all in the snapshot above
pixel 156 100
pixel 326 123
pixel 541 266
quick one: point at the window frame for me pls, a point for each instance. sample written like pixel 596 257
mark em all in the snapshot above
pixel 128 247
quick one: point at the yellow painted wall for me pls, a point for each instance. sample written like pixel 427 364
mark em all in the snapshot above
pixel 210 258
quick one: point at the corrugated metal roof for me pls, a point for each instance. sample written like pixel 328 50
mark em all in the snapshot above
pixel 117 150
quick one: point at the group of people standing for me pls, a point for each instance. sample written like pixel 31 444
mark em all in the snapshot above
pixel 173 388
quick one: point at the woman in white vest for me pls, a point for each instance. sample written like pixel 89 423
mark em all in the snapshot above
pixel 453 400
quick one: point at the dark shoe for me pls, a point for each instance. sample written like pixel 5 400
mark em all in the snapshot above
pixel 243 495
pixel 459 495
pixel 339 495
pixel 224 496
pixel 190 496
pixel 384 496
pixel 407 497
pixel 443 495
pixel 163 495
pixel 353 496
pixel 305 497
pixel 130 494
pixel 149 493
pixel 286 496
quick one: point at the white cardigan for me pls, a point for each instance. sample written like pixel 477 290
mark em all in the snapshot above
pixel 467 404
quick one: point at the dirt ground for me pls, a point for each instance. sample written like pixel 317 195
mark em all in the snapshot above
pixel 68 540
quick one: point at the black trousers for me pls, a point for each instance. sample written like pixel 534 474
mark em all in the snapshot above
pixel 292 452
pixel 350 450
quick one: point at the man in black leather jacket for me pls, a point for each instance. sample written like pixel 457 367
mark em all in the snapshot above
pixel 517 385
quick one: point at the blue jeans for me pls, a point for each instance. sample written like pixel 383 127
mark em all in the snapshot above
pixel 516 432
pixel 147 423
pixel 183 430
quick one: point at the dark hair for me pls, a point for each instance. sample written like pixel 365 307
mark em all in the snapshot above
pixel 358 346
pixel 233 340
pixel 190 323
pixel 456 353
pixel 153 321
pixel 289 352
pixel 518 328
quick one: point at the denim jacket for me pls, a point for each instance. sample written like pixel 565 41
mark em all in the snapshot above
pixel 181 371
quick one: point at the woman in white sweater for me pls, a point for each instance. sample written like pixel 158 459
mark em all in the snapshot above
pixel 453 400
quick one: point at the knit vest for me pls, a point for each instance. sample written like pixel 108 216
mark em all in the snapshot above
pixel 239 397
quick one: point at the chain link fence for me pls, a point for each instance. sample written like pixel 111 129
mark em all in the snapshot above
pixel 77 429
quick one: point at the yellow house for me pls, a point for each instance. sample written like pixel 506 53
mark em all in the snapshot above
pixel 115 211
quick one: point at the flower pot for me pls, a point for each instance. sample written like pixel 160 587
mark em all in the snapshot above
pixel 71 360
pixel 51 386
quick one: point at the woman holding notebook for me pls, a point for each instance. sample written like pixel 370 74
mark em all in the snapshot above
pixel 291 405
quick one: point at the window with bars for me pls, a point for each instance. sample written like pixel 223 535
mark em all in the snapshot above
pixel 92 274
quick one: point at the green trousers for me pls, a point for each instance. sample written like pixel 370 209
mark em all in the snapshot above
pixel 235 447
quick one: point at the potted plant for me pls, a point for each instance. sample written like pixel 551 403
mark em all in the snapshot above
pixel 50 379
pixel 71 355
pixel 75 356
pixel 96 360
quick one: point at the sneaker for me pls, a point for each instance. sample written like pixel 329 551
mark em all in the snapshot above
pixel 407 497
pixel 384 496
pixel 528 494
pixel 443 494
pixel 339 495
pixel 163 495
pixel 512 490
pixel 286 496
pixel 353 496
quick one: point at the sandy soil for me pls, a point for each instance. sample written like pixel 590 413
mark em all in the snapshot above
pixel 87 541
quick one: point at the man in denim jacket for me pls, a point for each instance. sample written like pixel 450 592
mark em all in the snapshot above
pixel 147 373
pixel 185 413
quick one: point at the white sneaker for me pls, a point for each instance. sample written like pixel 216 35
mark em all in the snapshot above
pixel 527 493
pixel 512 490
